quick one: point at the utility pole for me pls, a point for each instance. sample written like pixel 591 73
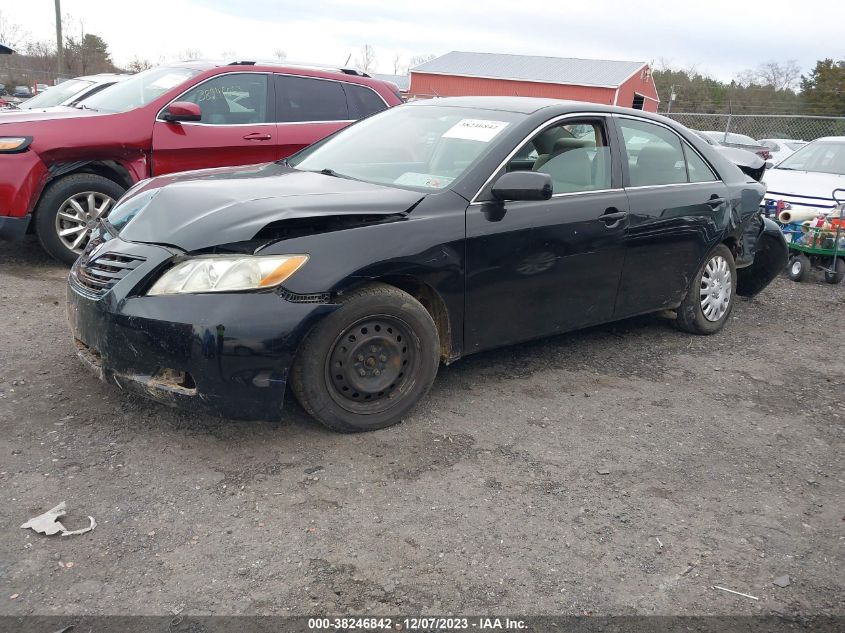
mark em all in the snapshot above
pixel 671 98
pixel 59 61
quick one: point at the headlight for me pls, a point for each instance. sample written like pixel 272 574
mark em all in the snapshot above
pixel 227 273
pixel 14 144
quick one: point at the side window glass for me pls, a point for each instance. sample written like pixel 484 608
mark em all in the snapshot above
pixel 698 170
pixel 301 99
pixel 654 153
pixel 363 102
pixel 231 99
pixel 575 155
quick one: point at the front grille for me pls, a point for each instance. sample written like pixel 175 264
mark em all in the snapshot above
pixel 99 275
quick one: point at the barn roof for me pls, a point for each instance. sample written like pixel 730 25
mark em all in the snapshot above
pixel 402 82
pixel 557 70
pixel 5 50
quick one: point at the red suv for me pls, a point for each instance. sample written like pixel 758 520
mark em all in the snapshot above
pixel 61 171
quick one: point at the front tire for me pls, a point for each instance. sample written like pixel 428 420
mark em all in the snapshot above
pixel 368 363
pixel 68 211
pixel 711 295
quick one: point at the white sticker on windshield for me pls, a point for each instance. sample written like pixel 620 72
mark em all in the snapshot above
pixel 167 82
pixel 475 130
pixel 413 179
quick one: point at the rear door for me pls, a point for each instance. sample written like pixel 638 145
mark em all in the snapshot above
pixel 677 214
pixel 237 126
pixel 307 109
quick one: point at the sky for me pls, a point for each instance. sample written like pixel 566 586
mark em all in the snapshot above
pixel 717 37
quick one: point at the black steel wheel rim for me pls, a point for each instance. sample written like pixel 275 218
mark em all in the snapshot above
pixel 372 363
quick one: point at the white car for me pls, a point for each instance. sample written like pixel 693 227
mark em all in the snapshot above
pixel 780 148
pixel 71 92
pixel 803 183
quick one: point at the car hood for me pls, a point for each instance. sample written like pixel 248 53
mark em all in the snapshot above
pixel 202 209
pixel 803 184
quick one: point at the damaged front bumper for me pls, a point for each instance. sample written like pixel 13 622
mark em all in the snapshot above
pixel 226 353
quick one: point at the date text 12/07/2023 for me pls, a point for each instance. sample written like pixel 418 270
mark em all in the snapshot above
pixel 417 624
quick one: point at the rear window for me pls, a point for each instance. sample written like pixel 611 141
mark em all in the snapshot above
pixel 363 101
pixel 300 99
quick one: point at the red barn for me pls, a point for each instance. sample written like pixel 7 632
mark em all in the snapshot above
pixel 627 84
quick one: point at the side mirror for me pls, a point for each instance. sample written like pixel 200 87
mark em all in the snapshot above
pixel 769 164
pixel 182 111
pixel 523 185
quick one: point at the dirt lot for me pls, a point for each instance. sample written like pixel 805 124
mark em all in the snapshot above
pixel 625 469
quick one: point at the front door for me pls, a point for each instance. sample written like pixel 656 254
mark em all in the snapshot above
pixel 544 267
pixel 236 128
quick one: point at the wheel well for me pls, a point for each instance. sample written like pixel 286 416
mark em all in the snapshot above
pixel 733 245
pixel 434 305
pixel 110 169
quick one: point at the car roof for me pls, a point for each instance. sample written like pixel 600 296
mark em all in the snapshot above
pixel 531 105
pixel 830 139
pixel 264 64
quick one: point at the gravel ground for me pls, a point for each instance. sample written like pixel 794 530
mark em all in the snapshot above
pixel 624 469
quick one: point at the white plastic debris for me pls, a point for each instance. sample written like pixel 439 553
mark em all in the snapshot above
pixel 49 524
pixel 744 595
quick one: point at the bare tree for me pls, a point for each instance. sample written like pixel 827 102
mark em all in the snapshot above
pixel 398 69
pixel 780 76
pixel 416 60
pixel 366 60
pixel 11 34
pixel 41 57
pixel 189 54
pixel 137 65
pixel 280 54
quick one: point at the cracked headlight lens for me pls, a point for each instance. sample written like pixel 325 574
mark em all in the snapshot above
pixel 227 273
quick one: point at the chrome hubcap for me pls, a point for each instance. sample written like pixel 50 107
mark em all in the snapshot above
pixel 796 267
pixel 716 288
pixel 77 218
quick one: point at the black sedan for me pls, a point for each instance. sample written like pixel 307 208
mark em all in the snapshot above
pixel 427 232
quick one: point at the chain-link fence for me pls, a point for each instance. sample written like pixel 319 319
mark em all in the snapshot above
pixel 757 126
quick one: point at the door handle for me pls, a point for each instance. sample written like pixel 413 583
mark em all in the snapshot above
pixel 715 201
pixel 613 216
pixel 257 136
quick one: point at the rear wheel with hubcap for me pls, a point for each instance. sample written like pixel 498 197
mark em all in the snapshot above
pixel 710 298
pixel 69 210
pixel 365 365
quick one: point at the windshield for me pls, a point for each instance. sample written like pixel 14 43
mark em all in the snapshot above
pixel 138 90
pixel 56 95
pixel 416 147
pixel 823 157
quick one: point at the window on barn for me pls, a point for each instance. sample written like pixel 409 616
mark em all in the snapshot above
pixel 639 100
